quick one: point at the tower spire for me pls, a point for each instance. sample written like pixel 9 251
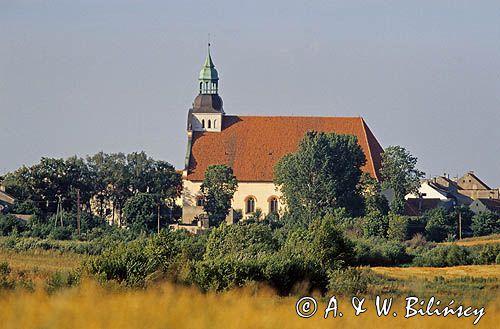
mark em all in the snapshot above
pixel 209 77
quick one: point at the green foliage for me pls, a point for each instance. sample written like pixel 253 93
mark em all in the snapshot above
pixel 9 224
pixel 329 245
pixel 447 255
pixel 349 281
pixel 380 252
pixel 489 254
pixel 240 241
pixel 399 173
pixel 5 281
pixel 321 176
pixel 59 280
pixel 102 177
pixel 218 188
pixel 375 224
pixel 127 263
pixel 141 212
pixel 485 223
pixel 439 224
pixel 373 199
pixel 398 227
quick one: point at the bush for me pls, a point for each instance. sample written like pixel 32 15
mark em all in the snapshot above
pixel 348 282
pixel 489 254
pixel 375 224
pixel 9 224
pixel 124 263
pixel 240 240
pixel 380 252
pixel 397 227
pixel 5 281
pixel 485 223
pixel 439 224
pixel 445 255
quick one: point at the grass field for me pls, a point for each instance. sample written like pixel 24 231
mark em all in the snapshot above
pixel 39 264
pixel 475 271
pixel 168 306
pixel 481 240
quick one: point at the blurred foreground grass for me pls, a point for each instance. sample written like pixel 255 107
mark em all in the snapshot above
pixel 168 306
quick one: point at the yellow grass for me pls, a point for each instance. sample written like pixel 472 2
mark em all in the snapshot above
pixel 168 306
pixel 483 271
pixel 481 240
pixel 40 261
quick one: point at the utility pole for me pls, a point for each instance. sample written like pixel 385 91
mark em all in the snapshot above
pixel 78 211
pixel 158 212
pixel 459 225
pixel 59 211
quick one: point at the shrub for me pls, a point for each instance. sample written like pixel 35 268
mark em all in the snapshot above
pixel 375 224
pixel 397 227
pixel 330 247
pixel 445 255
pixel 5 281
pixel 9 224
pixel 485 223
pixel 240 240
pixel 439 224
pixel 125 263
pixel 488 254
pixel 380 252
pixel 349 281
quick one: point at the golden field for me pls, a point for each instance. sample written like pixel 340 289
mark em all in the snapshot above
pixel 482 240
pixel 169 306
pixel 165 305
pixel 474 271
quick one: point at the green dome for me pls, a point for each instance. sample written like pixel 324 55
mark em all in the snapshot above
pixel 208 71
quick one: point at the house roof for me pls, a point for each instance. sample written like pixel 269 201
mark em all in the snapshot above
pixel 492 205
pixel 6 198
pixel 418 206
pixel 252 145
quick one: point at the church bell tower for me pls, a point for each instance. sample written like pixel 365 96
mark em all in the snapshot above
pixel 207 112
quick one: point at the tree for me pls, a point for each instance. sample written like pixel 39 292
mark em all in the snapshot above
pixel 399 173
pixel 439 224
pixel 218 189
pixel 376 224
pixel 485 223
pixel 330 246
pixel 140 212
pixel 322 175
pixel 373 198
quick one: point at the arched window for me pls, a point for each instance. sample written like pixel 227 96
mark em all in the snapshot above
pixel 209 124
pixel 273 205
pixel 203 123
pixel 250 205
pixel 200 201
pixel 215 123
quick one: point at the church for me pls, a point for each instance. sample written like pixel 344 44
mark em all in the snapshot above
pixel 251 146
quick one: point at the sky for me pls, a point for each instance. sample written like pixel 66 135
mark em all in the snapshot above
pixel 82 76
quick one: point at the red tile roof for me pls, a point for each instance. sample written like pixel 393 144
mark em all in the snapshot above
pixel 252 145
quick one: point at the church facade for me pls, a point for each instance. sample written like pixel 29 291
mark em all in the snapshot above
pixel 251 146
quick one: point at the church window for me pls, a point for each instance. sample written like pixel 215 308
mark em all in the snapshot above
pixel 250 205
pixel 273 205
pixel 203 123
pixel 209 124
pixel 215 123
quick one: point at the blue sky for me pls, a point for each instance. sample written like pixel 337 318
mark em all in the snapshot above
pixel 78 77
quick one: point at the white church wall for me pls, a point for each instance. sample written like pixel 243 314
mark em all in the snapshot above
pixel 262 192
